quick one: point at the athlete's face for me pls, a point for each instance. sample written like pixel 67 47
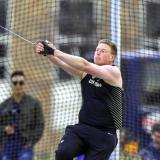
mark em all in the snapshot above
pixel 103 55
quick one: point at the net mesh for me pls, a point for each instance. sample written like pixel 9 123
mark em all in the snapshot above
pixel 76 27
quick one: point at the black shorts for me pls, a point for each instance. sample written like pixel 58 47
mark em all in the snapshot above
pixel 83 139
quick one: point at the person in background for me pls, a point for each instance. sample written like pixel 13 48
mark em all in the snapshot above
pixel 152 151
pixel 129 145
pixel 21 121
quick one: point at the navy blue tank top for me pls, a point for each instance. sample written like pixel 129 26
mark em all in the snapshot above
pixel 102 104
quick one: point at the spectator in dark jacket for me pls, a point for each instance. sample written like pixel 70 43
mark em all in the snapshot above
pixel 21 121
pixel 152 152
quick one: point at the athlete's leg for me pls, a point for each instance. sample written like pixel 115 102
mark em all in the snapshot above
pixel 103 144
pixel 70 145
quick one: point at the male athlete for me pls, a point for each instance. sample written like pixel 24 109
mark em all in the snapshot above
pixel 101 111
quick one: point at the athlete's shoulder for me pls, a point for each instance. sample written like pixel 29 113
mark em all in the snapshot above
pixel 113 70
pixel 115 77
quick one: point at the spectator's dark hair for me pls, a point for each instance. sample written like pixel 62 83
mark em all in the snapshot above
pixel 111 44
pixel 156 128
pixel 17 73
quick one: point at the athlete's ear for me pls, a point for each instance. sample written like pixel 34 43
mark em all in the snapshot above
pixel 112 57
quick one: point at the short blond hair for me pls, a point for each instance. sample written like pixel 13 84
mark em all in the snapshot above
pixel 111 44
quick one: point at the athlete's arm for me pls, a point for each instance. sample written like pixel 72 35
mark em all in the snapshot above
pixel 79 65
pixel 58 62
pixel 110 74
pixel 67 68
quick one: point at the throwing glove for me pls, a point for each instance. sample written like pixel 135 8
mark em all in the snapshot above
pixel 47 49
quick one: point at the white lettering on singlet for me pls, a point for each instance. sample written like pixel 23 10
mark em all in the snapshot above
pixel 95 83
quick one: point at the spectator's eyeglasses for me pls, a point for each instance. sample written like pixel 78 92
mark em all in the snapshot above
pixel 15 83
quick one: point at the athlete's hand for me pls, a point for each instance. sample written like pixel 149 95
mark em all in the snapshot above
pixel 45 48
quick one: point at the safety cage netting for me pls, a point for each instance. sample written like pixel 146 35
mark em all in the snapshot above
pixel 75 27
